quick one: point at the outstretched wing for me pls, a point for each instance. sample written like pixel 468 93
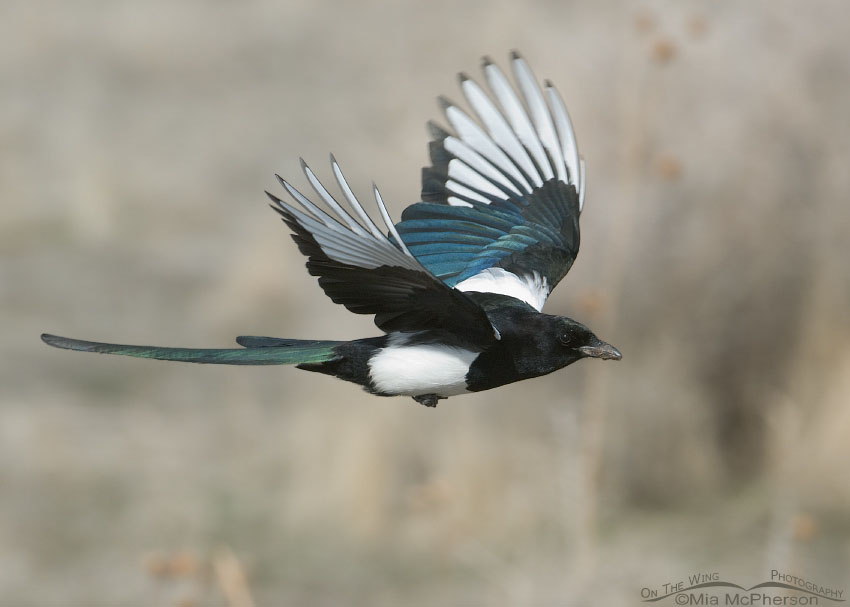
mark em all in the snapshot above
pixel 503 197
pixel 360 268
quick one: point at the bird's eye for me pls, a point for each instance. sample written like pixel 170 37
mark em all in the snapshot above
pixel 565 338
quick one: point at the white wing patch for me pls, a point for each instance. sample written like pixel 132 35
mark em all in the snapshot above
pixel 414 370
pixel 462 173
pixel 533 290
pixel 513 146
pixel 342 237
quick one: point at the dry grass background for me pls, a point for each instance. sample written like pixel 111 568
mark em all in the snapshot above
pixel 135 142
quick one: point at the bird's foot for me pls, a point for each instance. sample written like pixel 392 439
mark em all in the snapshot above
pixel 429 400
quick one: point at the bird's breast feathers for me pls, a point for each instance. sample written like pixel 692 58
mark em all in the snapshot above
pixel 416 369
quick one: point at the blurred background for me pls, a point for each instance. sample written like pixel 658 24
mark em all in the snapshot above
pixel 136 140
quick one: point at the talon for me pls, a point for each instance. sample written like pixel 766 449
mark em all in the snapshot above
pixel 429 400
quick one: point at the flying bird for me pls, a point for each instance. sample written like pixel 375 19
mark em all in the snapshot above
pixel 458 285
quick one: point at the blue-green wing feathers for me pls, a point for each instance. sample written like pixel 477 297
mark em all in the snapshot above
pixel 504 192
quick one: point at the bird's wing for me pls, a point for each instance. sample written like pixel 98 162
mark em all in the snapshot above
pixel 503 195
pixel 360 268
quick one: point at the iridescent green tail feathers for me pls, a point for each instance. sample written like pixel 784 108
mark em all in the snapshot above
pixel 255 351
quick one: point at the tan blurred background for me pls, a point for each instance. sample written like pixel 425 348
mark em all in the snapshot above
pixel 135 143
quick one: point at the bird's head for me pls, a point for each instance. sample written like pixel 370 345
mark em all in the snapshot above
pixel 543 343
pixel 577 341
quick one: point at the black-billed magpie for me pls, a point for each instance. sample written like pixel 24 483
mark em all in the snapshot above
pixel 459 283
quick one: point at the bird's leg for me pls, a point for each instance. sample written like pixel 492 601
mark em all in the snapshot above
pixel 429 400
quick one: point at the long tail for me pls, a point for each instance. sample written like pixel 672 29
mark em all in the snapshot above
pixel 256 351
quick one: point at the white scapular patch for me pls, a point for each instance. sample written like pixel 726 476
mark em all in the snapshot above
pixel 533 290
pixel 420 369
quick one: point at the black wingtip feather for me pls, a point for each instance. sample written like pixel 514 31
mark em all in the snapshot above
pixel 444 102
pixel 440 158
pixel 436 131
pixel 275 200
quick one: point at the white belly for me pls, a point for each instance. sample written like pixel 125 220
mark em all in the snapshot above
pixel 420 369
